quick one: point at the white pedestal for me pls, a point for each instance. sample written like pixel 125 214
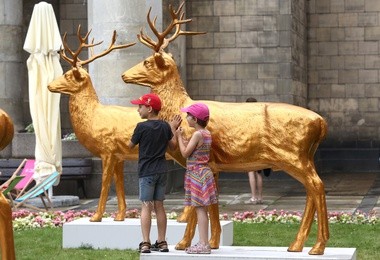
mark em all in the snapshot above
pixel 127 234
pixel 254 252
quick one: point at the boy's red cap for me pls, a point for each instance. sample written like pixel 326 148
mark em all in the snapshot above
pixel 149 100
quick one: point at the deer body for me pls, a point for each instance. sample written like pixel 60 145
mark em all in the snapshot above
pixel 246 137
pixel 103 130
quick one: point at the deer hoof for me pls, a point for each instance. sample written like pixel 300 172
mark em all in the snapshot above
pixel 318 249
pixel 295 247
pixel 96 218
pixel 182 245
pixel 119 217
pixel 214 244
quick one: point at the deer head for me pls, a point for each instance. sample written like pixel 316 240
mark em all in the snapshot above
pixel 156 69
pixel 75 79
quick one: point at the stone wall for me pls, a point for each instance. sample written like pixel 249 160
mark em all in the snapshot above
pixel 321 54
pixel 343 69
pixel 71 14
pixel 252 48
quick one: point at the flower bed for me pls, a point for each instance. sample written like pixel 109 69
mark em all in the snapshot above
pixel 24 219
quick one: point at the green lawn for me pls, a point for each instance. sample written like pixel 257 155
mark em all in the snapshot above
pixel 47 243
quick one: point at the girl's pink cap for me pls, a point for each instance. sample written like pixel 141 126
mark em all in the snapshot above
pixel 199 110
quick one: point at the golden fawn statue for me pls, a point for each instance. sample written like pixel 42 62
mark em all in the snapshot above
pixel 103 130
pixel 246 136
pixel 6 227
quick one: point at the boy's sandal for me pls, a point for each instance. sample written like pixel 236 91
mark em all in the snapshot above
pixel 198 249
pixel 144 247
pixel 161 246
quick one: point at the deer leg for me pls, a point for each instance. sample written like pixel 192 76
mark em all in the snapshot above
pixel 6 230
pixel 315 201
pixel 184 215
pixel 189 231
pixel 215 226
pixel 305 227
pixel 323 228
pixel 119 183
pixel 108 163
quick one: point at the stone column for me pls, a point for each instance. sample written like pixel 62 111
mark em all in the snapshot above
pixel 12 68
pixel 127 18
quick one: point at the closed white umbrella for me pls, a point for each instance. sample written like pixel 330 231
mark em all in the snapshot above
pixel 43 40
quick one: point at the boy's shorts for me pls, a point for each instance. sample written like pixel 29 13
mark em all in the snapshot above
pixel 153 187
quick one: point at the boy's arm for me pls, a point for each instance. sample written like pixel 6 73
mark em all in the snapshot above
pixel 131 145
pixel 174 124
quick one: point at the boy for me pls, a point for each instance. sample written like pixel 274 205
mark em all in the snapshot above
pixel 153 137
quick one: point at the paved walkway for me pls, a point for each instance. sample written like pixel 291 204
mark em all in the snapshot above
pixel 347 192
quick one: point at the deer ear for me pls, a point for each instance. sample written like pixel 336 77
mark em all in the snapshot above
pixel 160 61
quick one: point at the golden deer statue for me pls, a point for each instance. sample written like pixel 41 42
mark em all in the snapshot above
pixel 6 227
pixel 245 136
pixel 103 130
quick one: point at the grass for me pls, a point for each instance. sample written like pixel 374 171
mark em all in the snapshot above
pixel 47 243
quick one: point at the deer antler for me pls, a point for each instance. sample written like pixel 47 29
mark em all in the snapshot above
pixel 162 43
pixel 75 61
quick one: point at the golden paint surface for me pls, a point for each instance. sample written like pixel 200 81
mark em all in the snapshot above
pixel 6 230
pixel 6 129
pixel 104 130
pixel 6 227
pixel 246 137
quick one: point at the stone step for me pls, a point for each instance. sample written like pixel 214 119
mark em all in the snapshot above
pixel 253 252
pixel 127 234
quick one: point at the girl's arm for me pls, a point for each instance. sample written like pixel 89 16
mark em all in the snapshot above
pixel 187 150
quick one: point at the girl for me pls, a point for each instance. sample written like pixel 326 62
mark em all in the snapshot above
pixel 200 188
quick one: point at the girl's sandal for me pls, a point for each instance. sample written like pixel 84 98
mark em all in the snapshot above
pixel 253 201
pixel 161 246
pixel 144 247
pixel 198 249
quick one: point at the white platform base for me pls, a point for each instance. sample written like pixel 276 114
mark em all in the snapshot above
pixel 127 234
pixel 245 252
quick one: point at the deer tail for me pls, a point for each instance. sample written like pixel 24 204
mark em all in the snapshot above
pixel 319 139
pixel 323 131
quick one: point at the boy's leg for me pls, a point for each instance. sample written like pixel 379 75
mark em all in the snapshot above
pixel 161 220
pixel 146 190
pixel 159 197
pixel 146 220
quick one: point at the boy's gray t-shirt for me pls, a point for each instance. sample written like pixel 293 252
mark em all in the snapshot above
pixel 153 137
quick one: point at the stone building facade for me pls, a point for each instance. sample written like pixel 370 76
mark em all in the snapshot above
pixel 319 54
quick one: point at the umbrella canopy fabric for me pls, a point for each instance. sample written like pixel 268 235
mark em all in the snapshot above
pixel 43 41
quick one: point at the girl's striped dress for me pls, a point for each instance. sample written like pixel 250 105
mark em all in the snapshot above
pixel 200 187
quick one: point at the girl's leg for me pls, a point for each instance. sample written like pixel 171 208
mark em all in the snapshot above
pixel 202 225
pixel 259 179
pixel 252 184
